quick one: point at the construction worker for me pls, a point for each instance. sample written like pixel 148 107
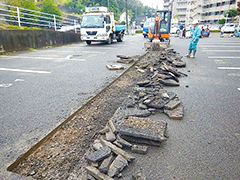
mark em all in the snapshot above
pixel 196 34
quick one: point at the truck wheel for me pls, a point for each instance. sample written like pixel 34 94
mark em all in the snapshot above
pixel 88 42
pixel 120 38
pixel 109 41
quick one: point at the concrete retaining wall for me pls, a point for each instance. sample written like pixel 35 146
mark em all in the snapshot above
pixel 18 40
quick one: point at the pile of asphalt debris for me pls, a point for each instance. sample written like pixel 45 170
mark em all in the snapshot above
pixel 131 128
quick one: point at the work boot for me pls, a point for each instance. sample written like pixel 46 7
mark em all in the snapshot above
pixel 189 53
pixel 193 55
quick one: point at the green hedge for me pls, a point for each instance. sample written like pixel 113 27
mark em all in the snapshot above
pixel 139 31
pixel 215 31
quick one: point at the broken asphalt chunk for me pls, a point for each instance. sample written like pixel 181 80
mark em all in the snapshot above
pixel 123 142
pixel 118 151
pixel 99 154
pixel 169 82
pixel 97 174
pixel 117 166
pixel 105 164
pixel 172 104
pixel 145 128
pixel 114 67
pixel 125 61
pixel 139 149
pixel 176 113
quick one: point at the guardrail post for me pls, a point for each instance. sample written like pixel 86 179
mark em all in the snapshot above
pixel 75 26
pixel 18 15
pixel 54 19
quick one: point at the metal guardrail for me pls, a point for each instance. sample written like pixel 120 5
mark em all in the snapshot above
pixel 26 17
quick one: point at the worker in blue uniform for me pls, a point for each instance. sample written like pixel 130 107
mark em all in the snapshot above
pixel 196 33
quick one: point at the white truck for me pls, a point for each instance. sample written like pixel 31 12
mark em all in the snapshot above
pixel 98 25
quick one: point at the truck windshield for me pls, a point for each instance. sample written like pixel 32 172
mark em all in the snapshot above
pixel 92 21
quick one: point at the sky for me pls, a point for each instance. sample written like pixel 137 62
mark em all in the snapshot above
pixel 153 3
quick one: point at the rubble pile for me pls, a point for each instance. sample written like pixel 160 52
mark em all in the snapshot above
pixel 131 128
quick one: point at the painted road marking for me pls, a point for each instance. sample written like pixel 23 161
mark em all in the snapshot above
pixel 19 80
pixel 229 68
pixel 239 89
pixel 24 70
pixel 235 75
pixel 74 58
pixel 30 57
pixel 42 58
pixel 217 43
pixel 5 85
pixel 223 57
pixel 204 46
pixel 221 50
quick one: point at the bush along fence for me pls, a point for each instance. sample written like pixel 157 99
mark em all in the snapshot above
pixel 25 17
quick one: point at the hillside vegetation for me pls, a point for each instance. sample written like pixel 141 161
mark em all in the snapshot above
pixel 135 7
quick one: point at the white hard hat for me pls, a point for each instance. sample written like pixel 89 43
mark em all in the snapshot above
pixel 195 21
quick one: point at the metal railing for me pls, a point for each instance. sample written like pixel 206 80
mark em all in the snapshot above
pixel 25 17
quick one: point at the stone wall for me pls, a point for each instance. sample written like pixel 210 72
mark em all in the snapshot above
pixel 18 40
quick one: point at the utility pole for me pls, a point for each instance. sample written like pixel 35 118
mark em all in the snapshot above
pixel 126 16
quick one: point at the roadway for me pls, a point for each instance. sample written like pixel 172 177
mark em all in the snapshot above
pixel 204 145
pixel 40 88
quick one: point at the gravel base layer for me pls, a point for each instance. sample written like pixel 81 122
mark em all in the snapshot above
pixel 63 155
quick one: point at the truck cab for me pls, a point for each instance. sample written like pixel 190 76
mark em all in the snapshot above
pixel 98 25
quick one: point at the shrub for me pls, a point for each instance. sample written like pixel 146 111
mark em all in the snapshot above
pixel 139 31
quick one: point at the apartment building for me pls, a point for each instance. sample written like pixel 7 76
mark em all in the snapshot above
pixel 167 4
pixel 206 11
pixel 213 10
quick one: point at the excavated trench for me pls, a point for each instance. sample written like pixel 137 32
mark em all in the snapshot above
pixel 61 154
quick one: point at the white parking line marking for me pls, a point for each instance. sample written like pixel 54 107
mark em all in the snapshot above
pixel 19 80
pixel 24 70
pixel 221 50
pixel 216 46
pixel 5 85
pixel 42 58
pixel 239 89
pixel 229 68
pixel 217 43
pixel 223 57
pixel 30 57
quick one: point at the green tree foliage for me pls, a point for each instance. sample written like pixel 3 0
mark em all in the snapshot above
pixel 231 13
pixel 49 6
pixel 222 21
pixel 27 4
pixel 117 6
pixel 75 6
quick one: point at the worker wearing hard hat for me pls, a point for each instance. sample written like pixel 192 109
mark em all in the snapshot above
pixel 196 33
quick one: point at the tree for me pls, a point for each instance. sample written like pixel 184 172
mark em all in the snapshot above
pixel 222 21
pixel 27 4
pixel 49 6
pixel 238 8
pixel 231 13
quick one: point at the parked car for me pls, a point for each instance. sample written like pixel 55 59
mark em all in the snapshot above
pixel 174 30
pixel 214 28
pixel 68 28
pixel 228 28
